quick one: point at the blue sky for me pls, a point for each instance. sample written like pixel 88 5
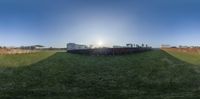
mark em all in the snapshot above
pixel 114 22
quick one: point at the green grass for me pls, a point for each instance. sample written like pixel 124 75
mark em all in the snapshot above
pixel 148 75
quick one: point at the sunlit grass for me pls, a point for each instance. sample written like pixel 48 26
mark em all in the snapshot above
pixel 16 60
pixel 189 56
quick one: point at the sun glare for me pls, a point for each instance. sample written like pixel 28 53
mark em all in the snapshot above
pixel 100 43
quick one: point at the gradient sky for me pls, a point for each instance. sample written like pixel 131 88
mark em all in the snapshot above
pixel 114 22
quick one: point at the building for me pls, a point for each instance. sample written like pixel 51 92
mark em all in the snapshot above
pixel 33 47
pixel 165 46
pixel 181 46
pixel 38 46
pixel 195 46
pixel 73 46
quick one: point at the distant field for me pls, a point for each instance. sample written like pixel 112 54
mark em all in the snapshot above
pixel 148 75
pixel 190 55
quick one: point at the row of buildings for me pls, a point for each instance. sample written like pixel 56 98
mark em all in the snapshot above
pixel 33 47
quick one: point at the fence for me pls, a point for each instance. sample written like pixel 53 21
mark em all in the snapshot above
pixel 109 51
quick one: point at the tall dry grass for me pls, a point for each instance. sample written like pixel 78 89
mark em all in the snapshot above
pixel 4 51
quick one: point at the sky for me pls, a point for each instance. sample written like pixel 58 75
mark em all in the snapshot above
pixel 112 22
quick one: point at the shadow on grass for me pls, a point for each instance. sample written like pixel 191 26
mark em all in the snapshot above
pixel 152 75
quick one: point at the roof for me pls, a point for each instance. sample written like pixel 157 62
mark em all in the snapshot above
pixel 38 46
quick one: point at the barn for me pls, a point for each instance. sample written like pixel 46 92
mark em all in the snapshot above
pixel 73 46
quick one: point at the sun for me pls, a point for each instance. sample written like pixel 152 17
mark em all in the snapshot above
pixel 99 43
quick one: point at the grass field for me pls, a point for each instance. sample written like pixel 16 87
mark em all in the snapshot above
pixel 148 75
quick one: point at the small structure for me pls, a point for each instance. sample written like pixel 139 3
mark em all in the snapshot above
pixel 173 47
pixel 33 47
pixel 181 46
pixel 38 46
pixel 165 46
pixel 73 46
pixel 195 46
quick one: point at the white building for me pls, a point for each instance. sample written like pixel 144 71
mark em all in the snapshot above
pixel 180 46
pixel 73 46
pixel 165 46
pixel 33 47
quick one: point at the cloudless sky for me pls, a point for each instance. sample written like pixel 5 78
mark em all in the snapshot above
pixel 114 22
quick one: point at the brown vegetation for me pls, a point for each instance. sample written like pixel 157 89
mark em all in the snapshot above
pixel 14 51
pixel 184 50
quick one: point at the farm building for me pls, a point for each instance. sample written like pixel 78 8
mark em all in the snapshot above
pixel 33 47
pixel 73 46
pixel 180 46
pixel 165 46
